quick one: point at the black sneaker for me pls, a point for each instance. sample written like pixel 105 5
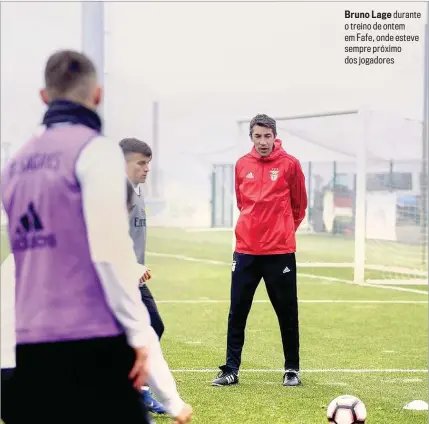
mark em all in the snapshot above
pixel 225 378
pixel 291 378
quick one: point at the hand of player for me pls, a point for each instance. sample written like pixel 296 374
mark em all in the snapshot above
pixel 185 415
pixel 140 370
pixel 146 276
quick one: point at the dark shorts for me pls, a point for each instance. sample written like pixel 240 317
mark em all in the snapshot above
pixel 76 382
pixel 7 394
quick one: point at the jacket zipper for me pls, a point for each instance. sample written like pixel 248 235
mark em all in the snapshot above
pixel 260 191
pixel 262 182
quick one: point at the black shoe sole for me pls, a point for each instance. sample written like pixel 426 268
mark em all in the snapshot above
pixel 224 385
pixel 293 385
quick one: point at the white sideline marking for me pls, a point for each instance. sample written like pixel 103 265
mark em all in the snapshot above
pixel 349 371
pixel 319 277
pixel 397 270
pixel 214 262
pixel 334 384
pixel 403 380
pixel 307 264
pixel 410 282
pixel 188 258
pixel 379 286
pixel 393 302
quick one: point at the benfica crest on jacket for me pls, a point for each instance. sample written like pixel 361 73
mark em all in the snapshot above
pixel 274 173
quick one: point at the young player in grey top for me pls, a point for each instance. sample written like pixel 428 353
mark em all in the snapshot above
pixel 138 224
pixel 138 156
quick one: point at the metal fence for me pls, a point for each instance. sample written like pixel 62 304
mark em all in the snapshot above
pixel 331 188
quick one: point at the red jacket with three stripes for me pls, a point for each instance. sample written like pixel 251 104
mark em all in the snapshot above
pixel 272 200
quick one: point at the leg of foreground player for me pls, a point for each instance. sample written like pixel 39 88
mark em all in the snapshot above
pixel 245 279
pixel 279 272
pixel 146 397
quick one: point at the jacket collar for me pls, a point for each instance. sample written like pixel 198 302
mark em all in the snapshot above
pixel 65 111
pixel 277 151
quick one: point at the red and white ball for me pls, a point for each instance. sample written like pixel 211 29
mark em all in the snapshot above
pixel 346 410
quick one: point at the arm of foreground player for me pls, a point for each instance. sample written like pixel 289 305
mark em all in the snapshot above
pixel 161 381
pixel 104 193
pixel 100 171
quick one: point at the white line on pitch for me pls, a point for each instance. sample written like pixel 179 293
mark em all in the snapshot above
pixel 378 286
pixel 319 277
pixel 400 282
pixel 394 302
pixel 349 371
pixel 188 258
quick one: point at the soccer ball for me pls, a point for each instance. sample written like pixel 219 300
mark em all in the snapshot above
pixel 346 410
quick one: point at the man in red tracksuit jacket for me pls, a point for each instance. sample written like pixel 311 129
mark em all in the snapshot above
pixel 272 199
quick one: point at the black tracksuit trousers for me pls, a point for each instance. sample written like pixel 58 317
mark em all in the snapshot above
pixel 155 318
pixel 279 274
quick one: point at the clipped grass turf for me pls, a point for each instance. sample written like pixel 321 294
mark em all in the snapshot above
pixel 358 336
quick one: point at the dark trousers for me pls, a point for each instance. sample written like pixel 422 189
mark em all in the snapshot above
pixel 66 382
pixel 155 317
pixel 7 394
pixel 279 274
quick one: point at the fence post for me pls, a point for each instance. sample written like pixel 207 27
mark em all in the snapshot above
pixel 334 176
pixel 391 175
pixel 213 202
pixel 223 196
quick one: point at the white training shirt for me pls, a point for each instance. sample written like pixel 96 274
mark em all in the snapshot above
pixel 100 170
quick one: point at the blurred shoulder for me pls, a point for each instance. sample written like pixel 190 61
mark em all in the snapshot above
pixel 103 149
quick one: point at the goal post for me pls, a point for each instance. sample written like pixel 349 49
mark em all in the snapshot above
pixel 360 208
pixel 371 204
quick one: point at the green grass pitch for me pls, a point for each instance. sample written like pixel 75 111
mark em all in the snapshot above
pixel 346 331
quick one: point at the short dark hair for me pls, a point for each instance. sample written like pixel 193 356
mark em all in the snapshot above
pixel 134 145
pixel 68 71
pixel 263 121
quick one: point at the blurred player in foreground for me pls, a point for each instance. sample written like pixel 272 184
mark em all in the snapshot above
pixel 138 156
pixel 80 324
pixel 272 199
